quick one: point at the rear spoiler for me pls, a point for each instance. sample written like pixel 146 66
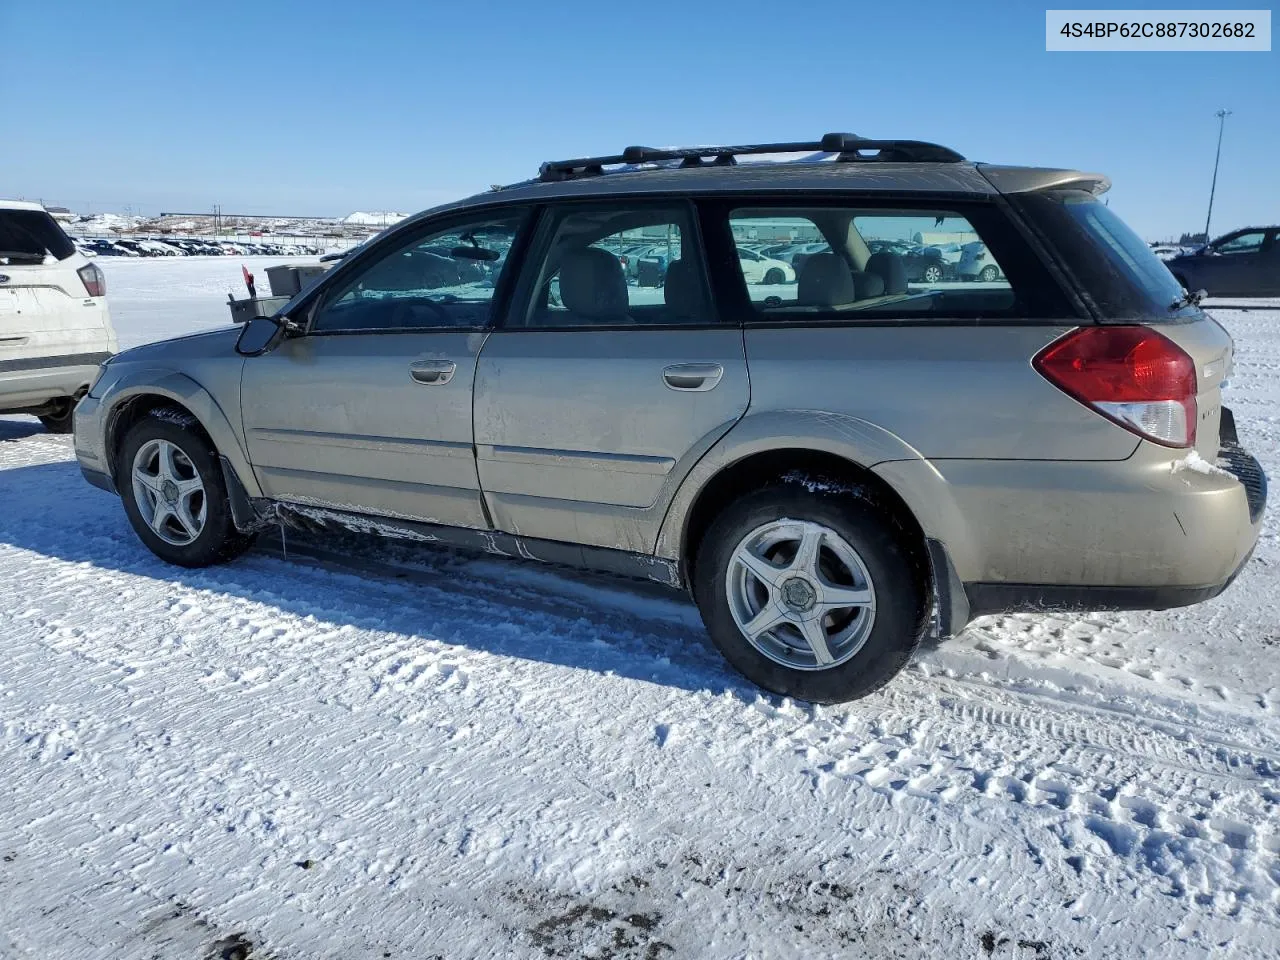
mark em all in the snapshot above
pixel 1029 179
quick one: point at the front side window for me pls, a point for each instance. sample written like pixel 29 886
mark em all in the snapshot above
pixel 1245 243
pixel 618 265
pixel 844 262
pixel 445 279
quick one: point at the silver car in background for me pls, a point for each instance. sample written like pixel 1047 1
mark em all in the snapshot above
pixel 833 467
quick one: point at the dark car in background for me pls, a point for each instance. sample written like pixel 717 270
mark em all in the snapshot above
pixel 922 263
pixel 1243 263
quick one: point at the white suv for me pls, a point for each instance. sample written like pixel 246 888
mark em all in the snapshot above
pixel 54 325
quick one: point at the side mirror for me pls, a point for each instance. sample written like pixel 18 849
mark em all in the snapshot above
pixel 259 335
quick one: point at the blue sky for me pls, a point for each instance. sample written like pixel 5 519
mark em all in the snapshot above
pixel 323 107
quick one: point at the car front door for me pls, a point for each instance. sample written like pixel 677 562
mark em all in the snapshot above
pixel 370 409
pixel 1266 277
pixel 595 396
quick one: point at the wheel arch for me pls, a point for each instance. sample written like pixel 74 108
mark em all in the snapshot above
pixel 789 465
pixel 764 448
pixel 138 394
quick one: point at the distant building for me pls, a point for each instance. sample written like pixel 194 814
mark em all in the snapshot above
pixel 60 213
pixel 942 238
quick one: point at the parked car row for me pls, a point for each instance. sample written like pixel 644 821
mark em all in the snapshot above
pixel 188 247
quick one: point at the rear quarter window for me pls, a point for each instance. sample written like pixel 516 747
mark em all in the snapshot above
pixel 27 234
pixel 1111 265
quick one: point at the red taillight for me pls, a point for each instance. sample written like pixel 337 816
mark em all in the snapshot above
pixel 1133 375
pixel 95 283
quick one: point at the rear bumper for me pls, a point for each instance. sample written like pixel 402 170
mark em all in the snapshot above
pixel 32 381
pixel 987 597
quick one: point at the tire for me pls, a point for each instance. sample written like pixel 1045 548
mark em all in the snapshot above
pixel 932 273
pixel 881 638
pixel 775 275
pixel 204 505
pixel 62 419
pixel 989 273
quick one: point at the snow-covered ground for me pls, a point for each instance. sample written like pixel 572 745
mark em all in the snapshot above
pixel 438 755
pixel 151 299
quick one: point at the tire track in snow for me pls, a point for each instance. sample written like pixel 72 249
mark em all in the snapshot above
pixel 1084 768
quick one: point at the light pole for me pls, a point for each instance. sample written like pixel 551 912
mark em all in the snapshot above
pixel 1222 122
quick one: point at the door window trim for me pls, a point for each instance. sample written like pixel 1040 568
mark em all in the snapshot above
pixel 394 240
pixel 540 235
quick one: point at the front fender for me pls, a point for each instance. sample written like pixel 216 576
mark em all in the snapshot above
pixel 861 443
pixel 183 390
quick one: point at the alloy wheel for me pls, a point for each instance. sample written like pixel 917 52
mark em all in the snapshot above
pixel 800 594
pixel 169 492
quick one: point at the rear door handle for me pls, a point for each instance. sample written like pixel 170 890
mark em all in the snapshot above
pixel 432 371
pixel 692 376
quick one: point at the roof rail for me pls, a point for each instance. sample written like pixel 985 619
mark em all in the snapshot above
pixel 849 147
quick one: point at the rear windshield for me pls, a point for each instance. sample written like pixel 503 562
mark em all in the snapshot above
pixel 1114 268
pixel 30 235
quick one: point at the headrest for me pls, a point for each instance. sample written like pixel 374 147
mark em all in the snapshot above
pixel 593 285
pixel 890 268
pixel 683 291
pixel 825 281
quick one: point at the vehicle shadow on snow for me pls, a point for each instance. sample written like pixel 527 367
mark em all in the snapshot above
pixel 506 607
pixel 19 429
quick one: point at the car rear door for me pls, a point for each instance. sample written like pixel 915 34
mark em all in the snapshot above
pixel 370 410
pixel 594 402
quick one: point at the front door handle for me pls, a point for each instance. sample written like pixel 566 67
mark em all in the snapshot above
pixel 692 376
pixel 432 371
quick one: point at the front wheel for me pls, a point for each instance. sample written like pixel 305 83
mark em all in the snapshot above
pixel 775 275
pixel 932 273
pixel 989 273
pixel 813 595
pixel 174 494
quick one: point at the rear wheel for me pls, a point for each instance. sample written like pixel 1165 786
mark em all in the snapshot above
pixel 932 273
pixel 174 493
pixel 813 595
pixel 775 275
pixel 989 273
pixel 61 418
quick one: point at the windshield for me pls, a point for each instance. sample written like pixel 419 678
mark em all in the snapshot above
pixel 1120 273
pixel 30 234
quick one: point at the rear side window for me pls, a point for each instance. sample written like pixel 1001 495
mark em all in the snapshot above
pixel 843 262
pixel 618 264
pixel 30 235
pixel 1113 267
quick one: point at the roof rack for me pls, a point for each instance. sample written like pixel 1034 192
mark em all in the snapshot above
pixel 849 147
